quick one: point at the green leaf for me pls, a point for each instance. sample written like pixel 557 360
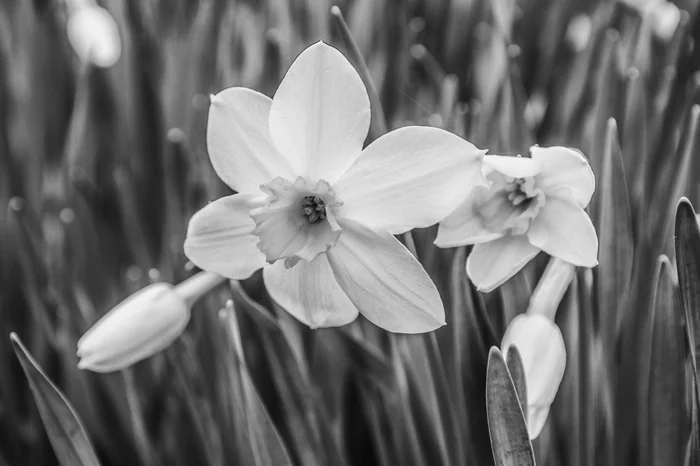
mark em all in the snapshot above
pixel 616 238
pixel 517 373
pixel 64 429
pixel 687 238
pixel 510 441
pixel 267 446
pixel 687 241
pixel 668 416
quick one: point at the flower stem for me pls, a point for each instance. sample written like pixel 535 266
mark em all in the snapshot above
pixel 378 117
pixel 198 285
pixel 551 288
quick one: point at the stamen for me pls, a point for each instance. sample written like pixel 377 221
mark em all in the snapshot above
pixel 313 208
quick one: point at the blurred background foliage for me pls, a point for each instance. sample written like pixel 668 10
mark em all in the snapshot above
pixel 100 170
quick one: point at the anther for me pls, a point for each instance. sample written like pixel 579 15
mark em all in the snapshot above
pixel 313 208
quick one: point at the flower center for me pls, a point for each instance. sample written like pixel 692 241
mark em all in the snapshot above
pixel 313 208
pixel 527 199
pixel 521 192
pixel 296 223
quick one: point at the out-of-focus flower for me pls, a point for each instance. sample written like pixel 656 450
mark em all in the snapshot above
pixel 319 211
pixel 578 32
pixel 532 204
pixel 143 324
pixel 662 16
pixel 541 347
pixel 94 35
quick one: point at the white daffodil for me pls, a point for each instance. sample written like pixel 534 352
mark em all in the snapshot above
pixel 532 205
pixel 541 347
pixel 143 324
pixel 318 211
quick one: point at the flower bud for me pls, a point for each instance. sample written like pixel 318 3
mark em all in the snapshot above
pixel 543 353
pixel 665 17
pixel 93 34
pixel 140 326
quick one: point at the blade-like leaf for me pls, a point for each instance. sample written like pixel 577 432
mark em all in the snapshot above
pixel 517 373
pixel 64 429
pixel 615 234
pixel 267 445
pixel 668 417
pixel 687 238
pixel 510 441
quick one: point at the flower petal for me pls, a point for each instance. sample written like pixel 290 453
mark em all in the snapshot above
pixel 563 229
pixel 491 264
pixel 219 237
pixel 467 225
pixel 515 167
pixel 310 293
pixel 409 178
pixel 239 142
pixel 384 281
pixel 320 114
pixel 565 168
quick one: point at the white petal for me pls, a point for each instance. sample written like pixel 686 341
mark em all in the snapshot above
pixel 140 326
pixel 409 178
pixel 491 264
pixel 239 142
pixel 563 229
pixel 466 225
pixel 384 281
pixel 536 419
pixel 515 167
pixel 219 239
pixel 565 168
pixel 320 114
pixel 310 293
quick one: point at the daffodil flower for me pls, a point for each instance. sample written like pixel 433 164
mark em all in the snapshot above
pixel 317 211
pixel 531 205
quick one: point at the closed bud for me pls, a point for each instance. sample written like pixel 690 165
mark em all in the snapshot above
pixel 542 350
pixel 94 36
pixel 140 326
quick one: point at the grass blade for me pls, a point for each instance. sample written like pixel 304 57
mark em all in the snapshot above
pixel 517 373
pixel 64 429
pixel 668 417
pixel 510 440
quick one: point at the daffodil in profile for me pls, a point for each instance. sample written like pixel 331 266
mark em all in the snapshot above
pixel 318 211
pixel 532 204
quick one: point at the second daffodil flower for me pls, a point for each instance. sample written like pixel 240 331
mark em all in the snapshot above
pixel 318 211
pixel 531 205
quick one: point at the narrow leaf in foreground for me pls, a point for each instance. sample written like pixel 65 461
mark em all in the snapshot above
pixel 517 373
pixel 687 238
pixel 510 441
pixel 64 429
pixel 668 418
